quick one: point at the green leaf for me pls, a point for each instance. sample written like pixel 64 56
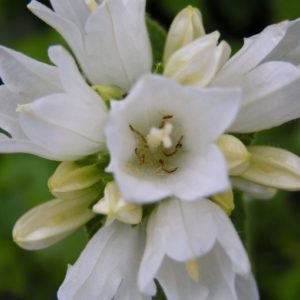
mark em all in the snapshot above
pixel 157 35
pixel 246 138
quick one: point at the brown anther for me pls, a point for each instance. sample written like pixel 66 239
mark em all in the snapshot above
pixel 177 147
pixel 163 120
pixel 167 117
pixel 169 171
pixel 138 133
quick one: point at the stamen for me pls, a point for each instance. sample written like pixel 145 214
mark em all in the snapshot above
pixel 141 157
pixel 169 171
pixel 192 269
pixel 163 120
pixel 91 4
pixel 177 147
pixel 138 133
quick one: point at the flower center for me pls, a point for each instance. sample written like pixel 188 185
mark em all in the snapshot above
pixel 156 150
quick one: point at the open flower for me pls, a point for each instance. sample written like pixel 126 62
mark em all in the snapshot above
pixel 110 39
pixel 194 244
pixel 107 268
pixel 49 111
pixel 161 140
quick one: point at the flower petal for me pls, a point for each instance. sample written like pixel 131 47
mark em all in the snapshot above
pixel 123 53
pixel 26 76
pixel 254 51
pixel 271 97
pixel 107 266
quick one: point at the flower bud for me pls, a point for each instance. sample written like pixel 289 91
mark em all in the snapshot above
pixel 186 27
pixel 273 167
pixel 253 190
pixel 50 222
pixel 197 63
pixel 114 206
pixel 225 201
pixel 71 180
pixel 235 152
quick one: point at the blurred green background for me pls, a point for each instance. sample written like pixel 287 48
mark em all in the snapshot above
pixel 274 225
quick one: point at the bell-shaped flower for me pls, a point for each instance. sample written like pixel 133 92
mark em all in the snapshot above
pixel 196 245
pixel 161 140
pixel 48 111
pixel 198 62
pixel 273 167
pixel 185 28
pixel 50 222
pixel 110 39
pixel 107 268
pixel 267 70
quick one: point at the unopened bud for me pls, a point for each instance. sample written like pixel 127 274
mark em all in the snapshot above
pixel 273 167
pixel 186 27
pixel 225 201
pixel 235 153
pixel 114 206
pixel 197 63
pixel 71 180
pixel 253 190
pixel 50 222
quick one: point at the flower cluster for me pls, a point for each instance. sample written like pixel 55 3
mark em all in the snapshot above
pixel 153 155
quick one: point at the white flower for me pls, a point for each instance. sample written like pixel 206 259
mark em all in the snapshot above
pixel 110 40
pixel 49 111
pixel 266 69
pixel 194 252
pixel 107 268
pixel 186 122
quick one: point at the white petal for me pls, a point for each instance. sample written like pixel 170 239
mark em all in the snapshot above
pixel 64 124
pixel 11 145
pixel 271 97
pixel 246 287
pixel 74 10
pixel 26 76
pixel 177 285
pixel 254 51
pixel 73 81
pixel 117 43
pixel 289 47
pixel 8 115
pixel 69 31
pixel 108 263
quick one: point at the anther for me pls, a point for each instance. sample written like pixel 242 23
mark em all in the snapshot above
pixel 169 171
pixel 139 134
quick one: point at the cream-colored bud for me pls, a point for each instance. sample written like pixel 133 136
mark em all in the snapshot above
pixel 108 92
pixel 273 167
pixel 186 27
pixel 253 190
pixel 192 269
pixel 71 180
pixel 114 206
pixel 50 222
pixel 225 201
pixel 197 63
pixel 235 152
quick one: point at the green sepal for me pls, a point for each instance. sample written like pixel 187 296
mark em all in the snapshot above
pixel 157 35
